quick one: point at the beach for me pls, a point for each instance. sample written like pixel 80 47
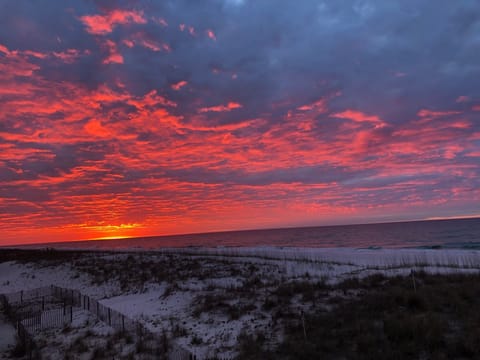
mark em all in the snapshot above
pixel 210 301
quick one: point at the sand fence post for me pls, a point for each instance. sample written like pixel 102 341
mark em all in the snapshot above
pixel 303 325
pixel 413 280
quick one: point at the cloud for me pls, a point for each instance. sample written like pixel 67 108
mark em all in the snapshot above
pixel 221 108
pixel 104 24
pixel 211 35
pixel 190 117
pixel 114 56
pixel 358 116
pixel 177 86
pixel 430 113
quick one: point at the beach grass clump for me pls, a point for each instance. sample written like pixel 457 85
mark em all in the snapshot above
pixel 389 319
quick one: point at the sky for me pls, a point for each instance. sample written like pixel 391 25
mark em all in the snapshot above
pixel 137 118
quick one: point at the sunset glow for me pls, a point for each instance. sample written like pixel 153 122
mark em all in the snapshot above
pixel 143 118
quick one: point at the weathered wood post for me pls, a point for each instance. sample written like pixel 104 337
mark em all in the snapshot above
pixel 303 324
pixel 413 280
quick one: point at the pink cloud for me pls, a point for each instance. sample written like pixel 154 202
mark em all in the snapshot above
pixel 358 116
pixel 462 99
pixel 35 54
pixel 190 29
pixel 431 113
pixel 69 56
pixel 160 21
pixel 211 35
pixel 221 108
pixel 128 43
pixel 318 105
pixel 177 86
pixel 104 24
pixel 4 49
pixel 142 39
pixel 114 56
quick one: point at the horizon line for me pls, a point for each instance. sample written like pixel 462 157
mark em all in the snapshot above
pixel 110 238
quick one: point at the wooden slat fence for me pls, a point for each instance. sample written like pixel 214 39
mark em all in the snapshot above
pixel 153 343
pixel 22 296
pixel 48 319
pixel 52 306
pixel 25 338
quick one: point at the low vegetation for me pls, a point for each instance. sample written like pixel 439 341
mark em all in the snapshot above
pixel 263 311
pixel 382 318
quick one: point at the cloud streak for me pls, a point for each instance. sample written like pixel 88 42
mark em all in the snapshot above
pixel 105 24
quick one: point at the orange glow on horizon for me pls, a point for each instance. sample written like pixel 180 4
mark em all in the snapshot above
pixel 113 237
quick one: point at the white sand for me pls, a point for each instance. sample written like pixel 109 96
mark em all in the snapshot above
pixel 217 332
pixel 7 337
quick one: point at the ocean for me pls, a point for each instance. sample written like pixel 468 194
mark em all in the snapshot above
pixel 458 233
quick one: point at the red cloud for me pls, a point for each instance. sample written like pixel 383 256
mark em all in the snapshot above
pixel 318 105
pixel 94 127
pixel 114 57
pixel 358 116
pixel 221 108
pixel 104 24
pixel 155 46
pixel 141 39
pixel 178 85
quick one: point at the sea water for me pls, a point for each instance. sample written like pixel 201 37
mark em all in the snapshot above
pixel 458 233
